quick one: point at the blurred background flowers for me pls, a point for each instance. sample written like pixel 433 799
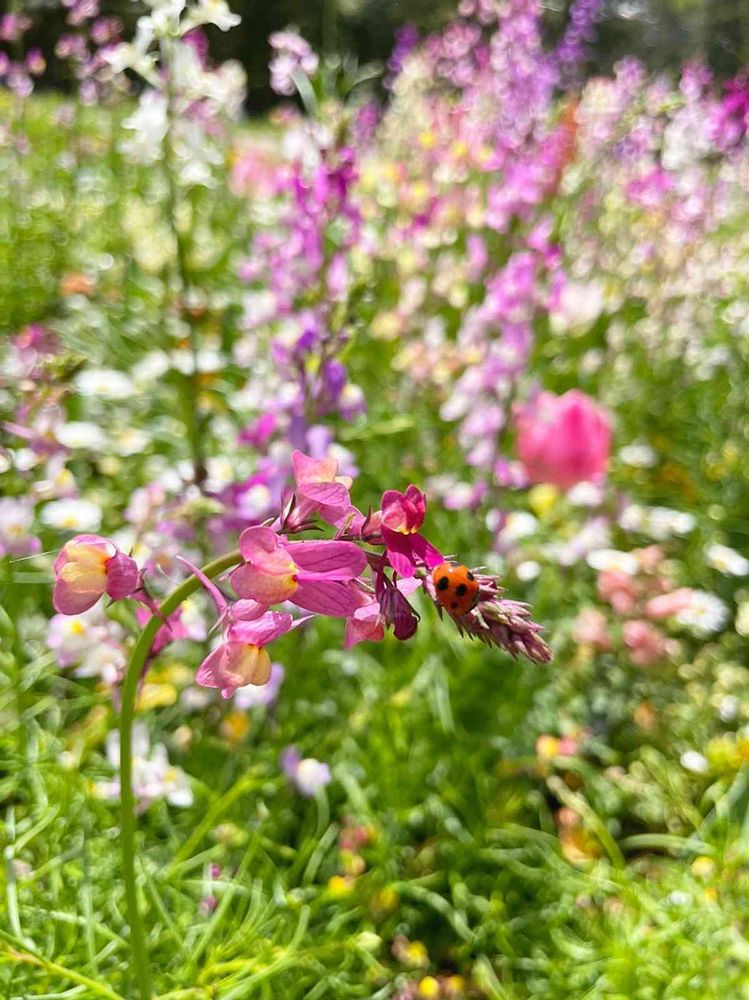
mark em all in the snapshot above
pixel 496 249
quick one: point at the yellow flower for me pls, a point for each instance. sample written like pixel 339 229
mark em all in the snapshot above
pixel 429 988
pixel 547 746
pixel 415 954
pixel 386 900
pixel 543 498
pixel 339 886
pixel 235 727
pixel 703 867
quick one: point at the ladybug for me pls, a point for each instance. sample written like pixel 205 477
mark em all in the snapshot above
pixel 456 587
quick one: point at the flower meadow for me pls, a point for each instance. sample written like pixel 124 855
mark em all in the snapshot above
pixel 374 530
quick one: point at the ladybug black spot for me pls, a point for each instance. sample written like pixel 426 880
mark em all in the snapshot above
pixel 443 583
pixel 454 604
pixel 470 575
pixel 461 590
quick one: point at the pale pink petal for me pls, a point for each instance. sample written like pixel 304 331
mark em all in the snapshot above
pixel 365 625
pixel 313 470
pixel 337 560
pixel 246 610
pixel 210 673
pixel 331 597
pixel 265 588
pixel 262 631
pixel 70 599
pixel 326 494
pixel 93 540
pixel 256 542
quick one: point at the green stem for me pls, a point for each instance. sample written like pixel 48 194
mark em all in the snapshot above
pixel 135 668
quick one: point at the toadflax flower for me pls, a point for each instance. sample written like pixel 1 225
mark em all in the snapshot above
pixel 402 517
pixel 241 658
pixel 563 440
pixel 88 567
pixel 313 575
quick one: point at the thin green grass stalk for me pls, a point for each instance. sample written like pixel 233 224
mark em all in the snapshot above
pixel 136 666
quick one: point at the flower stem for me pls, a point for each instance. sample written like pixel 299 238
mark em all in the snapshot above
pixel 135 669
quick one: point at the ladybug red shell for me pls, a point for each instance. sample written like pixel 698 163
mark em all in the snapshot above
pixel 456 588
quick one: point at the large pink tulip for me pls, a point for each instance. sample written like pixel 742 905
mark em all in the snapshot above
pixel 563 440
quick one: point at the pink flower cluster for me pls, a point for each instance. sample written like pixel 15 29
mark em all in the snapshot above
pixel 362 574
pixel 637 600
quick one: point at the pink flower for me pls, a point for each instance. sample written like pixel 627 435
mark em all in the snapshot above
pixel 366 624
pixel 645 643
pixel 241 658
pixel 591 629
pixel 315 576
pixel 563 440
pixel 88 567
pixel 669 605
pixel 402 516
pixel 319 490
pixel 619 590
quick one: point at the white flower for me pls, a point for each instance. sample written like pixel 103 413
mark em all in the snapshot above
pixel 72 515
pixel 208 360
pixel 659 523
pixel 149 124
pixel 311 776
pixel 578 308
pixel 153 776
pixel 81 434
pixel 527 570
pixel 106 383
pixel 727 560
pixel 639 456
pixel 150 367
pixel 221 473
pixel 586 495
pixel 728 708
pixel 592 536
pixel 612 560
pixel 130 441
pixel 212 12
pixel 105 660
pixel 256 502
pixel 705 614
pixel 519 524
pixel 696 762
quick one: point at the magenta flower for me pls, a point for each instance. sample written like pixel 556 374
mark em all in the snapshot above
pixel 402 516
pixel 241 658
pixel 88 567
pixel 563 440
pixel 315 576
